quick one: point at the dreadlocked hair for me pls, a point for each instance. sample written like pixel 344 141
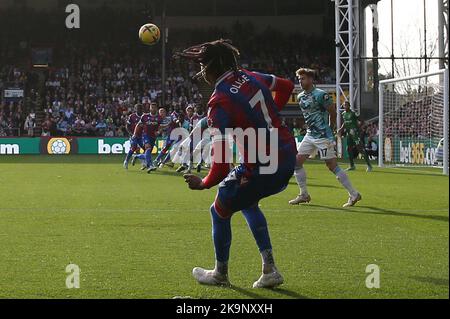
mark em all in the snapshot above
pixel 218 56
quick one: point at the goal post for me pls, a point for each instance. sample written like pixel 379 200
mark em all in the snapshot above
pixel 414 121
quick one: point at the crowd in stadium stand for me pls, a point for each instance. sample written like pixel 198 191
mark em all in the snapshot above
pixel 371 129
pixel 94 81
pixel 11 114
pixel 97 89
pixel 411 119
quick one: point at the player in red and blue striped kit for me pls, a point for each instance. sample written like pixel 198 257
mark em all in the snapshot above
pixel 148 126
pixel 241 99
pixel 168 123
pixel 136 142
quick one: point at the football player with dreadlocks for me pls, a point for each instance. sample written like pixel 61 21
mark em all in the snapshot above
pixel 241 99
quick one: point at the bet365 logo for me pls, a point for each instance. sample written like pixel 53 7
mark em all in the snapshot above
pixel 417 153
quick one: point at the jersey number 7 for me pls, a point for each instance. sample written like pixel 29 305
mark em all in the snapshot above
pixel 259 98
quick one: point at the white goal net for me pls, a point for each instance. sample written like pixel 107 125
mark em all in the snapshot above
pixel 413 121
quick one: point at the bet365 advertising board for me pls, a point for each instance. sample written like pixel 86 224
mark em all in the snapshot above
pixel 406 150
pixel 410 151
pixel 67 145
pixel 71 145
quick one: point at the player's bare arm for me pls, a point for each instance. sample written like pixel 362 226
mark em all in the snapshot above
pixel 332 111
pixel 283 89
pixel 128 128
pixel 138 129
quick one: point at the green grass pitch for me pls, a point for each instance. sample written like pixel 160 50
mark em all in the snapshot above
pixel 135 235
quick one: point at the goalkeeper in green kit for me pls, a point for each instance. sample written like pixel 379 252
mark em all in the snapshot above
pixel 355 139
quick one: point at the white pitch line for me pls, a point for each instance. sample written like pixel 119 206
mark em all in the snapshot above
pixel 418 170
pixel 267 209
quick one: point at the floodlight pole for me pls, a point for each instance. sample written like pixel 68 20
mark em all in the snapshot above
pixel 163 55
pixel 443 33
pixel 446 122
pixel 347 55
pixel 392 41
pixel 425 35
pixel 375 39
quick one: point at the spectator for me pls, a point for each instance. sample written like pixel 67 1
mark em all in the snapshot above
pixel 30 124
pixel 372 147
pixel 47 126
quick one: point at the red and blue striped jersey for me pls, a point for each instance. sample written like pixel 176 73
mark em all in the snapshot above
pixel 133 120
pixel 151 124
pixel 243 99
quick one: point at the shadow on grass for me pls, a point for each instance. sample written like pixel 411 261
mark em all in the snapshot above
pixel 164 172
pixel 246 292
pixel 382 211
pixel 432 280
pixel 251 294
pixel 288 293
pixel 314 185
pixel 172 172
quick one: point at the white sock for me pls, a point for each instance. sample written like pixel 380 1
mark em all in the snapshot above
pixel 345 181
pixel 300 176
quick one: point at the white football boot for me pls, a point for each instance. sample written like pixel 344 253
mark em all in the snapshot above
pixel 352 200
pixel 301 198
pixel 125 164
pixel 210 277
pixel 270 280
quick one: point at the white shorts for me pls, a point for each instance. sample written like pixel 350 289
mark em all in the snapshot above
pixel 310 146
pixel 203 151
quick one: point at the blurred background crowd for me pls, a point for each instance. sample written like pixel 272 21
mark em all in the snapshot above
pixel 99 72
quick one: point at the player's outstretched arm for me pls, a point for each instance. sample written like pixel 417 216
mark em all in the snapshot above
pixel 331 108
pixel 128 127
pixel 138 129
pixel 283 90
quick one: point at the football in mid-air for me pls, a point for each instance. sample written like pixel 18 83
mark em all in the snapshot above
pixel 149 34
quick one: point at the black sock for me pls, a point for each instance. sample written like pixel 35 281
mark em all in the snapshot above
pixel 366 158
pixel 350 157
